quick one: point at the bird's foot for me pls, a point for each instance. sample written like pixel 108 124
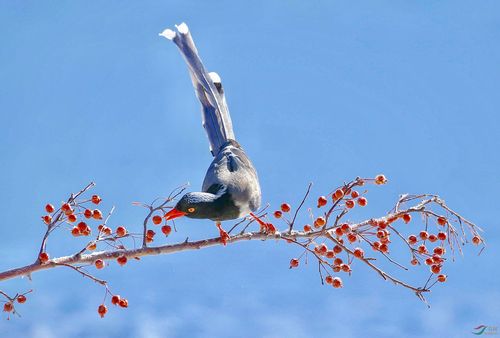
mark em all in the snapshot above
pixel 264 227
pixel 224 236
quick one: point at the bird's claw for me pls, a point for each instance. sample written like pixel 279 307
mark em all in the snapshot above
pixel 224 236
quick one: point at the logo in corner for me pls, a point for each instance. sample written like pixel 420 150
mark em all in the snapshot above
pixel 483 329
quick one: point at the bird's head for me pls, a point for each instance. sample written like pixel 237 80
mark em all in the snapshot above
pixel 192 205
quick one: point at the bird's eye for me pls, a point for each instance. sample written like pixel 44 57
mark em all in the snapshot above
pixel 191 209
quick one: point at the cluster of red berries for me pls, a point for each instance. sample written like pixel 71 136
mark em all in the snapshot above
pixel 9 306
pixel 116 300
pixel 285 207
pixel 351 198
pixel 432 258
pixel 378 229
pixel 165 229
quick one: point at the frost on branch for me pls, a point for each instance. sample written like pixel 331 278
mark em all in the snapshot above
pixel 336 245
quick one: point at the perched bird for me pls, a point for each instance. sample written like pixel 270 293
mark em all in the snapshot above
pixel 231 186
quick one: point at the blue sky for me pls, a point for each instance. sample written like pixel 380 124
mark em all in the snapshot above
pixel 319 91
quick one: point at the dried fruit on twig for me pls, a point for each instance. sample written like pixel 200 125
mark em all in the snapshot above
pixel 285 207
pixel 101 310
pixel 43 257
pixel 166 229
pixel 99 264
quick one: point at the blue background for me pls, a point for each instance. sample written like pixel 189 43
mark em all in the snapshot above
pixel 319 91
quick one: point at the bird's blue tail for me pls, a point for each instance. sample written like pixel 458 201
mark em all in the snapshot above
pixel 208 87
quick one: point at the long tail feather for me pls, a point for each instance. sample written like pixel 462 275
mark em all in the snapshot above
pixel 208 88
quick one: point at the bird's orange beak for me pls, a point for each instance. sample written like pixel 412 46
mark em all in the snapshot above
pixel 174 213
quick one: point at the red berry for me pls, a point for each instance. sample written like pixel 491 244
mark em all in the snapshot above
pixel 424 235
pixel 278 214
pixel 406 218
pixel 439 250
pixel 43 257
pixel 96 199
pixel 123 302
pixel 339 232
pixel 21 299
pixel 72 218
pixel 382 224
pixel 322 201
pixel 338 261
pixel 115 299
pixel 157 219
pixel 349 204
pixel 75 231
pixel 442 236
pixel 101 310
pixel 82 226
pixel 150 234
pixel 87 213
pixel 323 248
pixel 121 231
pixel 437 259
pixel 337 282
pixel 319 222
pixel 354 194
pixel 362 201
pixel 294 262
pixel 337 249
pixel 122 260
pixel 65 207
pixel 345 267
pixel 436 268
pixel 307 228
pixel 285 207
pixel 442 221
pixel 8 307
pixel 422 249
pixel 358 253
pixel 105 230
pixel 429 261
pixel 414 261
pixel 352 238
pixel 476 240
pixel 329 280
pixel 380 179
pixel 376 246
pixel 384 248
pixel 339 193
pixel 330 254
pixel 412 239
pixel 92 246
pixel 441 278
pixel 99 264
pixel 96 214
pixel 166 229
pixel 47 219
pixel 49 208
pixel 432 238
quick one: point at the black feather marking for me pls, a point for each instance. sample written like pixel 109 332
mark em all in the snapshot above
pixel 215 188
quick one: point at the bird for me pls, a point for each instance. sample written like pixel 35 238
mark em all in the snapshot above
pixel 231 187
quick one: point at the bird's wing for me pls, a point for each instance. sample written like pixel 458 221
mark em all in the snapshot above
pixel 232 171
pixel 215 114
